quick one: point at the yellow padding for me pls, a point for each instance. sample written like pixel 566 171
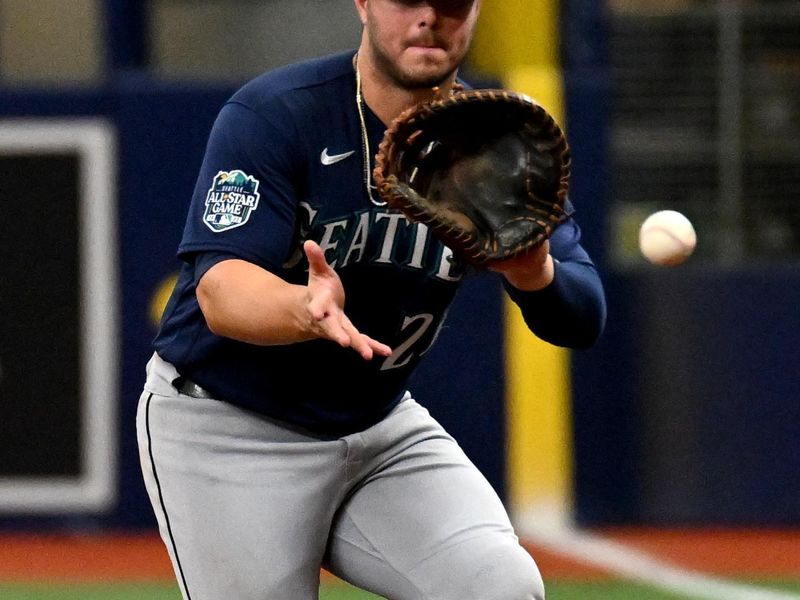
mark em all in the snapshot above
pixel 158 302
pixel 538 391
pixel 515 32
pixel 539 437
pixel 542 83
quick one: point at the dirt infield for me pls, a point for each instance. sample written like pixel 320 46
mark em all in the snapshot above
pixel 124 557
pixel 142 557
pixel 740 552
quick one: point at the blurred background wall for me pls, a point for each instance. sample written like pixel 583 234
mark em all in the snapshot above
pixel 687 411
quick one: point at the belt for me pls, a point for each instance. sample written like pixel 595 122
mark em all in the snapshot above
pixel 187 387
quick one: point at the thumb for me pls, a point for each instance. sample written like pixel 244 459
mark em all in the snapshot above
pixel 317 265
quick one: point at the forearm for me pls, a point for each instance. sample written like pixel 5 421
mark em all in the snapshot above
pixel 570 311
pixel 247 303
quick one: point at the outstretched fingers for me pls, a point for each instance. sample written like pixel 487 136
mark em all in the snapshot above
pixel 326 307
pixel 378 348
pixel 368 347
pixel 338 328
pixel 356 340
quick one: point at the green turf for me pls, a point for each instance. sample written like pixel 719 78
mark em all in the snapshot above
pixel 624 590
pixel 606 591
pixel 788 586
pixel 89 592
pixel 556 590
pixel 342 591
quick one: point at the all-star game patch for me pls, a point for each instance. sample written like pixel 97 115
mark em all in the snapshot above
pixel 230 201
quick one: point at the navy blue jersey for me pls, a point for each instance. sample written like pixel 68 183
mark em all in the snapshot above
pixel 286 162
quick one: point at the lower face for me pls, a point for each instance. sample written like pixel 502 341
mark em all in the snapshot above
pixel 416 57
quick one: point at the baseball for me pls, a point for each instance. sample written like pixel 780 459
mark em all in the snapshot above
pixel 667 238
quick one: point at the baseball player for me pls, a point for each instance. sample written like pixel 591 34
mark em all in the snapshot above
pixel 276 432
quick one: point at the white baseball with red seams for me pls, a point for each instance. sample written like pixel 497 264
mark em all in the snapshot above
pixel 667 238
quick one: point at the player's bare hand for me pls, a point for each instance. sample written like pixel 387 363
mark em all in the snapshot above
pixel 531 271
pixel 326 307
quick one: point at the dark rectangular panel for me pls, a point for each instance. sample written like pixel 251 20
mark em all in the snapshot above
pixel 39 315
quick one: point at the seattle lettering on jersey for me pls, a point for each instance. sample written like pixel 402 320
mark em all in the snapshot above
pixel 379 237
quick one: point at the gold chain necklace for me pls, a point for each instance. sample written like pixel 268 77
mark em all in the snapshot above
pixel 364 138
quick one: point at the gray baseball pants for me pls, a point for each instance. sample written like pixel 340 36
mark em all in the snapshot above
pixel 249 508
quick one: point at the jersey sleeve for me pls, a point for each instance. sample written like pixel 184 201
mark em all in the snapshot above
pixel 245 199
pixel 571 311
pixel 205 260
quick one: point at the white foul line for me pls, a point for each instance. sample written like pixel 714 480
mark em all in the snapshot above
pixel 639 566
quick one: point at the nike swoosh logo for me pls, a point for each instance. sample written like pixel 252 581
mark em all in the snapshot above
pixel 330 159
